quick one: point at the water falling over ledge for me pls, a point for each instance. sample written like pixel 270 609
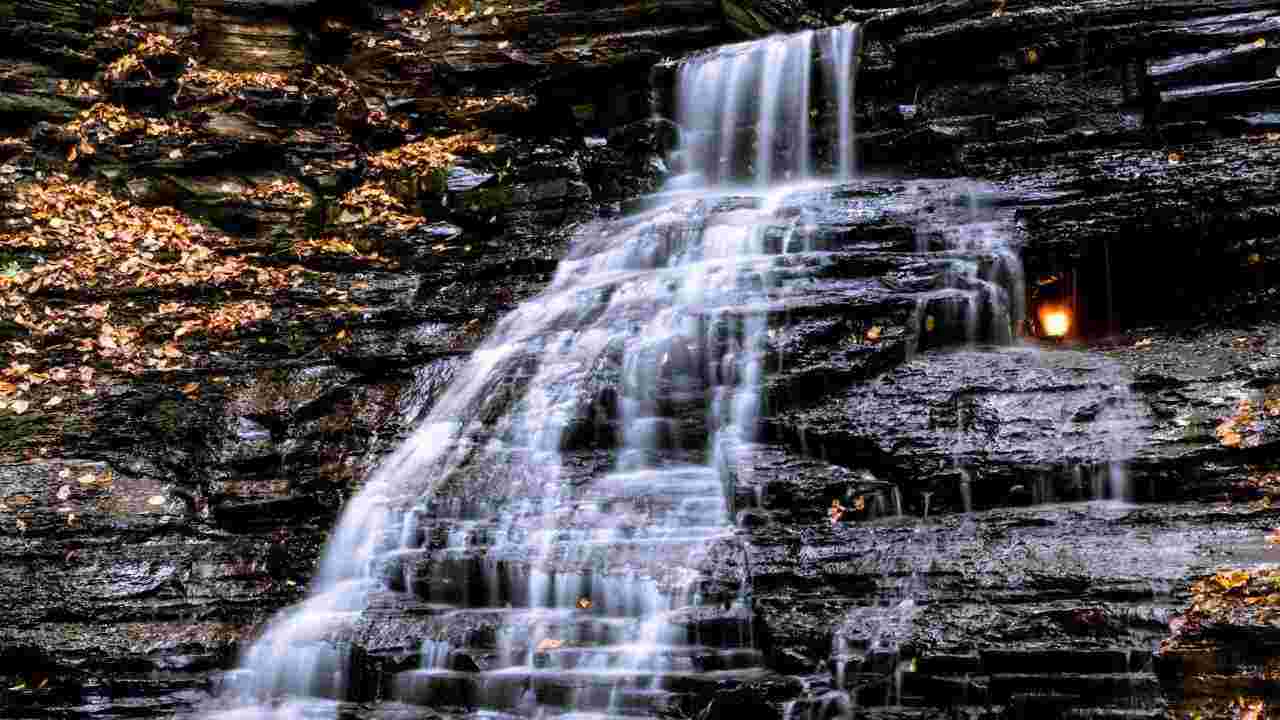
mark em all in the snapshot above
pixel 557 536
pixel 748 110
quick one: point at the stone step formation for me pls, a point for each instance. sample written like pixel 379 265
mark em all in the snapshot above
pixel 524 581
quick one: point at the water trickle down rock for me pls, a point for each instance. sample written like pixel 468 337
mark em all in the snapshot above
pixel 557 535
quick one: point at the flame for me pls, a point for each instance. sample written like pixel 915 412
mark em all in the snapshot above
pixel 1055 321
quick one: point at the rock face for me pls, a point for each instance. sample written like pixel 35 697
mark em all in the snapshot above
pixel 373 185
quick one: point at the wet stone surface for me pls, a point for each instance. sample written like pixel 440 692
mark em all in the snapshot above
pixel 149 530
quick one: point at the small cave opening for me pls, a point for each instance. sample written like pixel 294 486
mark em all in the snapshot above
pixel 1103 288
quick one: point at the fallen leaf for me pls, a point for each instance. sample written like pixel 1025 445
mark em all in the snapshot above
pixel 155 500
pixel 20 406
pixel 1232 579
pixel 54 401
pixel 549 644
pixel 873 335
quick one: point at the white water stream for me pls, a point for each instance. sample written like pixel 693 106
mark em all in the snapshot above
pixel 552 586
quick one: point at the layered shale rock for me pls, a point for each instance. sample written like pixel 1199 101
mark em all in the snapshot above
pixel 376 183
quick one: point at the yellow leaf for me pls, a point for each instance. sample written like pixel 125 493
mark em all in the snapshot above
pixel 1232 579
pixel 873 335
pixel 20 406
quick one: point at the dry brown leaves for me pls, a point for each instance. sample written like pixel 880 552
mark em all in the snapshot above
pixel 98 242
pixel 1245 427
pixel 1236 596
pixel 284 191
pixel 153 45
pixel 221 82
pixel 483 104
pixel 78 89
pixel 452 11
pixel 371 204
pixel 431 153
pixel 104 247
pixel 323 246
pixel 105 122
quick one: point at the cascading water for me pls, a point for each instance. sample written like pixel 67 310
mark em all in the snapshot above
pixel 747 110
pixel 528 575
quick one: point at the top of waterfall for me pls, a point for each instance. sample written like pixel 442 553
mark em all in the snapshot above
pixel 751 111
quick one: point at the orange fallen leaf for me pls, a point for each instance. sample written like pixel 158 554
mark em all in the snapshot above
pixel 1232 579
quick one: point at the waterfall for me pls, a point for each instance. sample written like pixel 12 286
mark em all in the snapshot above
pixel 545 582
pixel 747 110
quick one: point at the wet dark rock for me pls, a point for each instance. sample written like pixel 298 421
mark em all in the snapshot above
pixel 151 531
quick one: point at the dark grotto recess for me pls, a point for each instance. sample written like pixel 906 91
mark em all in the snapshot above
pixel 685 359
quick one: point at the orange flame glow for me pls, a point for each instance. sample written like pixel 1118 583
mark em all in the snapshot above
pixel 1055 321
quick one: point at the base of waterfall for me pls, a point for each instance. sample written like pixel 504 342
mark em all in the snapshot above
pixel 627 590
